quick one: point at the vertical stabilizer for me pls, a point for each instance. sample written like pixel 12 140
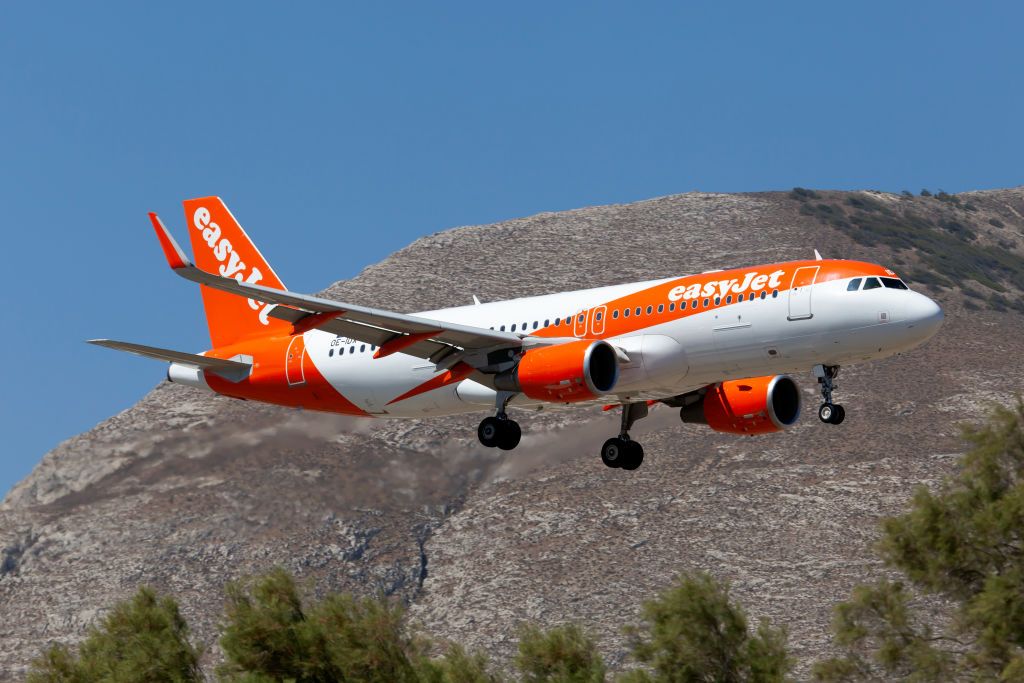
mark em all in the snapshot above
pixel 220 246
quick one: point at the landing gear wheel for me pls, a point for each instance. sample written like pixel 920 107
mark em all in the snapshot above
pixel 831 413
pixel 624 453
pixel 510 435
pixel 489 431
pixel 614 452
pixel 501 433
pixel 634 456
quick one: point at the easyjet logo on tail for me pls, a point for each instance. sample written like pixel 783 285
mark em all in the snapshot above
pixel 752 280
pixel 231 264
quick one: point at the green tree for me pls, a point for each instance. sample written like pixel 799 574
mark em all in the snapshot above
pixel 694 632
pixel 142 639
pixel 564 654
pixel 964 545
pixel 269 635
pixel 457 666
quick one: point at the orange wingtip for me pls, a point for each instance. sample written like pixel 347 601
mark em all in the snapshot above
pixel 172 252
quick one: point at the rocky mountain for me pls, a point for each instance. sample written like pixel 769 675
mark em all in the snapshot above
pixel 185 491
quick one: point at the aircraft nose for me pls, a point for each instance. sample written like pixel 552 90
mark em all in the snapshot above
pixel 924 316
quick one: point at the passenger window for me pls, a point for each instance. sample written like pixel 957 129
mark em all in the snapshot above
pixel 718 300
pixel 362 348
pixel 706 303
pixel 672 307
pixel 650 309
pixel 502 328
pixel 764 294
pixel 535 324
pixel 854 285
pixel 775 294
pixel 352 349
pixel 558 322
pixel 893 283
pixel 513 327
pixel 661 308
pixel 615 314
pixel 872 283
pixel 625 312
pixel 372 347
pixel 547 322
pixel 331 352
pixel 728 299
pixel 693 304
pixel 638 309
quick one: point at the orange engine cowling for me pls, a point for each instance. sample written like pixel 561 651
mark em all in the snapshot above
pixel 758 405
pixel 565 373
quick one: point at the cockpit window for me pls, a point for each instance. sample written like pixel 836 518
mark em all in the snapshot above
pixel 893 283
pixel 872 283
pixel 854 285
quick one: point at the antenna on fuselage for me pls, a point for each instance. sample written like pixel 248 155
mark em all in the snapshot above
pixel 476 302
pixel 817 256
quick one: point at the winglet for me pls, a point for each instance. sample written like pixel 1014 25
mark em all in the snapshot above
pixel 176 258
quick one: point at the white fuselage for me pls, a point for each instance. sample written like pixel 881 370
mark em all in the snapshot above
pixel 789 331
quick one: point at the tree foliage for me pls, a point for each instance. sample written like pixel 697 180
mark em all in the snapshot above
pixel 564 654
pixel 962 545
pixel 695 632
pixel 457 666
pixel 142 639
pixel 270 635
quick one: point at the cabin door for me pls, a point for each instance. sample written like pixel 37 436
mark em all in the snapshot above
pixel 294 359
pixel 800 292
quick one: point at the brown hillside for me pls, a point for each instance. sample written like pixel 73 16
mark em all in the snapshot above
pixel 185 491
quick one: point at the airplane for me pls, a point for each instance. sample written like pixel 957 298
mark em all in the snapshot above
pixel 719 345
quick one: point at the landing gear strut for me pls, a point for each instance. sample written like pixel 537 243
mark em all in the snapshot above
pixel 499 430
pixel 621 451
pixel 829 412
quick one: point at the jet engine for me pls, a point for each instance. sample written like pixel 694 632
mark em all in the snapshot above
pixel 758 405
pixel 564 373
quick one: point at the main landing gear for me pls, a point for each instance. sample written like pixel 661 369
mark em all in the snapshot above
pixel 499 431
pixel 829 412
pixel 621 451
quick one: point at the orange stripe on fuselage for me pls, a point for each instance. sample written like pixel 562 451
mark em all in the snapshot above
pixel 458 373
pixel 674 296
pixel 268 381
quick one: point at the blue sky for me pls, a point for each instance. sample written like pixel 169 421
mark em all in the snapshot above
pixel 362 126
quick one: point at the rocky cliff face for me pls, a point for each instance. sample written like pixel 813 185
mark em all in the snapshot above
pixel 185 491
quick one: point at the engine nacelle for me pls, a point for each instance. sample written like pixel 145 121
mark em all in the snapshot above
pixel 758 405
pixel 565 373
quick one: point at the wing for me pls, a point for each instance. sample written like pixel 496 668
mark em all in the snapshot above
pixel 440 342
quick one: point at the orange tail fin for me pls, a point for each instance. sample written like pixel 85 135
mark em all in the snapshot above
pixel 219 245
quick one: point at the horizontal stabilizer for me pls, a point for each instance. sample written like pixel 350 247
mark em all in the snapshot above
pixel 228 369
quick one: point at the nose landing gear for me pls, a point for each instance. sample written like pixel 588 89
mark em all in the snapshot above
pixel 829 412
pixel 621 451
pixel 499 431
